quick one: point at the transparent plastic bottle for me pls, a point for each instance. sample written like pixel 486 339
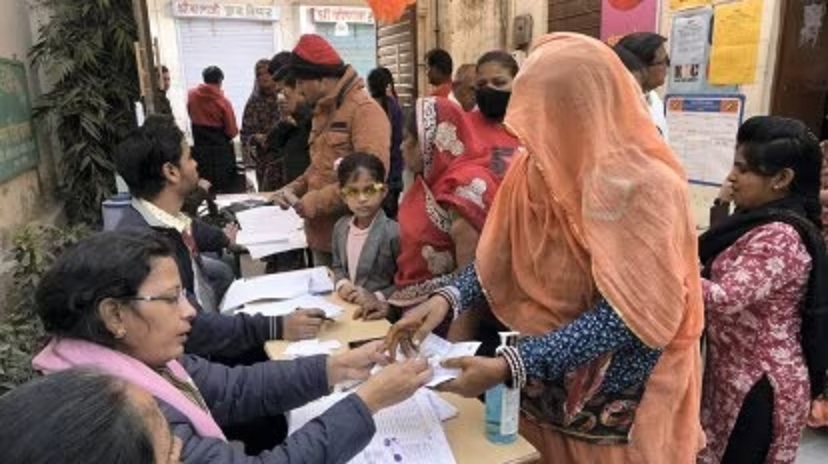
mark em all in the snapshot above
pixel 503 405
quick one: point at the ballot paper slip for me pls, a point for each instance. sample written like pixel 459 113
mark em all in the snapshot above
pixel 285 307
pixel 437 350
pixel 409 432
pixel 281 286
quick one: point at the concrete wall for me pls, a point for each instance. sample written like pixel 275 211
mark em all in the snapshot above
pixel 469 28
pixel 28 195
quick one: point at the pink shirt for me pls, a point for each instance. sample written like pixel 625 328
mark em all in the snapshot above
pixel 354 244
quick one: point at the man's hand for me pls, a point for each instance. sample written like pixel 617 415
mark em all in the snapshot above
pixel 394 383
pixel 302 324
pixel 232 232
pixel 356 364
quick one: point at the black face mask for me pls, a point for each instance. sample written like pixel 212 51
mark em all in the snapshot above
pixel 492 102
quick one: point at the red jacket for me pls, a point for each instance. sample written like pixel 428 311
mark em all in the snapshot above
pixel 209 107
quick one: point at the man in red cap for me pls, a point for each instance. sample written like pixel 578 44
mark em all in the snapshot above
pixel 345 120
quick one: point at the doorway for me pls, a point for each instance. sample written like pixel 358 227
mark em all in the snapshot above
pixel 800 88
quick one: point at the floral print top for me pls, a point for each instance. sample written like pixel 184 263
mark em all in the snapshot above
pixel 586 378
pixel 752 307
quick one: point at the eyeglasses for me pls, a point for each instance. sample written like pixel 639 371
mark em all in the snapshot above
pixel 664 62
pixel 169 299
pixel 369 191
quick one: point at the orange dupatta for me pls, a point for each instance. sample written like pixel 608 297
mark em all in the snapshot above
pixel 600 185
pixel 597 205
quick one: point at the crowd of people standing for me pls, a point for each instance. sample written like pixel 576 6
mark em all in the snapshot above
pixel 540 197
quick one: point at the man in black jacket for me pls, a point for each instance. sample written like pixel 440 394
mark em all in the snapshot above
pixel 155 162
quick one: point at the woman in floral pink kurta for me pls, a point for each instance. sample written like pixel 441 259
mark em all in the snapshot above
pixel 757 278
pixel 752 305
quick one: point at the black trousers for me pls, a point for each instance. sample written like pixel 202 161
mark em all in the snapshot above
pixel 751 437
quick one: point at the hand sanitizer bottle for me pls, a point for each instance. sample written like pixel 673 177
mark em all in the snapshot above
pixel 503 405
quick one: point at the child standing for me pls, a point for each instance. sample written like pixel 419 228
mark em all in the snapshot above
pixel 366 243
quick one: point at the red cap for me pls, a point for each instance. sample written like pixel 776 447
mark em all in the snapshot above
pixel 314 49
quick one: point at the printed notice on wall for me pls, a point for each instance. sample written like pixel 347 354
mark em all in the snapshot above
pixel 703 133
pixel 690 46
pixel 18 149
pixel 735 42
pixel 684 4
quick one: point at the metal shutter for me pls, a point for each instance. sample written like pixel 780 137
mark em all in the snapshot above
pixel 582 16
pixel 397 51
pixel 357 48
pixel 232 45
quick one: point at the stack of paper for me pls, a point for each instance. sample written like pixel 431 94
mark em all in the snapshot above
pixel 409 432
pixel 285 307
pixel 269 230
pixel 282 286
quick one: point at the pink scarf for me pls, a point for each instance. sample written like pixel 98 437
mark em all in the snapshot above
pixel 66 353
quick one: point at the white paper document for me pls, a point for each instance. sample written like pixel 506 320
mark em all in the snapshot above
pixel 409 432
pixel 437 349
pixel 285 307
pixel 311 347
pixel 282 286
pixel 269 219
pixel 268 230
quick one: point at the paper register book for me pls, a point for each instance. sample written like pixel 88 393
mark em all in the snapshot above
pixel 409 432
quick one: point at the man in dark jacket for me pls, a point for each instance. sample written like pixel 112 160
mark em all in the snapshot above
pixel 155 162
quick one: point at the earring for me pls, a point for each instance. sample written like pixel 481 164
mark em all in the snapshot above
pixel 121 333
pixel 776 187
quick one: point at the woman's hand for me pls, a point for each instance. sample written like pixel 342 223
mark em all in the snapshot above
pixel 415 325
pixel 726 192
pixel 356 364
pixel 394 383
pixel 478 375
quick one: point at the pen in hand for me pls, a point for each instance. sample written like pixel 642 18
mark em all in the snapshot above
pixel 318 314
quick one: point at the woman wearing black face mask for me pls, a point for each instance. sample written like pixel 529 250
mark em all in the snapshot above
pixel 495 72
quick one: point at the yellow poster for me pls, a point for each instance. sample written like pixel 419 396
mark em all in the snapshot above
pixel 684 4
pixel 735 45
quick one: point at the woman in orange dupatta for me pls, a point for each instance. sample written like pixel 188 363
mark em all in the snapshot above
pixel 590 253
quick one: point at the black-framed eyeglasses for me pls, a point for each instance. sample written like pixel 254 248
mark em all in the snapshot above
pixel 169 299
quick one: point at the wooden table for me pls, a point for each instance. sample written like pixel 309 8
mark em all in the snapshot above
pixel 465 433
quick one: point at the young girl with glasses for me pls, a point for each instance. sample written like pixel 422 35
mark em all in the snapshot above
pixel 366 243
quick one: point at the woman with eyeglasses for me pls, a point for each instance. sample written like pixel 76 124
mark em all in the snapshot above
pixel 115 303
pixel 442 213
pixel 651 49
